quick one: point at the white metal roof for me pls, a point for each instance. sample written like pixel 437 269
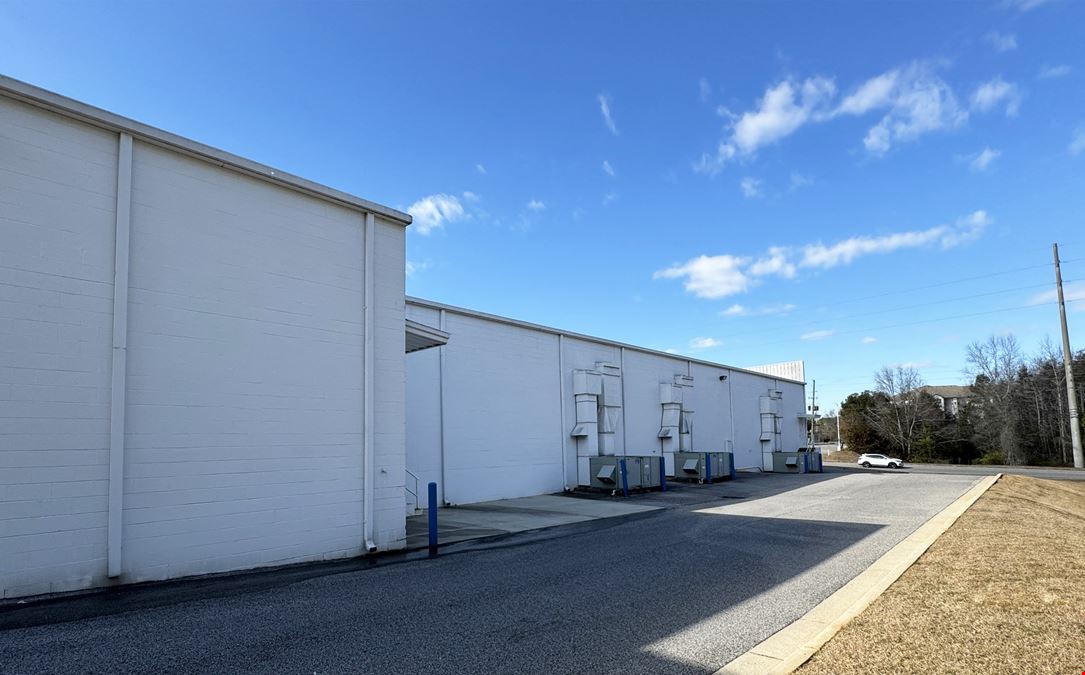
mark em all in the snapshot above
pixel 68 107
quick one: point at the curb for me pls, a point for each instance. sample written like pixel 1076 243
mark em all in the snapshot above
pixel 794 644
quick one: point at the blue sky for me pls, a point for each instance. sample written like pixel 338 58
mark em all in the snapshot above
pixel 853 184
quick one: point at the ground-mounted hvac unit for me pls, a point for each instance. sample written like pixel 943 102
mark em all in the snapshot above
pixel 800 461
pixel 704 466
pixel 624 473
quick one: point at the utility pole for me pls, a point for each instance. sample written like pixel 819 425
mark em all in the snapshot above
pixel 813 415
pixel 1068 361
pixel 839 440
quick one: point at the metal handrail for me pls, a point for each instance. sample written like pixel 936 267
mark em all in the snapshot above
pixel 413 492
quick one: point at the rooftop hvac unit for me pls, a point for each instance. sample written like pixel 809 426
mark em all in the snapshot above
pixel 640 472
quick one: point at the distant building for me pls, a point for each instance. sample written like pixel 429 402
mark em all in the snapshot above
pixel 950 397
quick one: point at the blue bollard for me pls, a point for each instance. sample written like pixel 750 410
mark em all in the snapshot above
pixel 432 513
pixel 708 467
pixel 731 463
pixel 625 479
pixel 662 474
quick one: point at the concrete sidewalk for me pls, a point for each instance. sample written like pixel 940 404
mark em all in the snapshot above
pixel 507 516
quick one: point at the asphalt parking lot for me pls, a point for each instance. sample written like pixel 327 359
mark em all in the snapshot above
pixel 681 590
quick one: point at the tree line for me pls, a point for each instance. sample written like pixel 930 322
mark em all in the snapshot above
pixel 1014 412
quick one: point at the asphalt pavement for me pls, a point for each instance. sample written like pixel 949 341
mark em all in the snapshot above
pixel 680 590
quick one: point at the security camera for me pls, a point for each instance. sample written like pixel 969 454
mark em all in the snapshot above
pixel 722 378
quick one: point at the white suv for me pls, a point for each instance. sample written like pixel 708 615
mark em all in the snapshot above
pixel 868 460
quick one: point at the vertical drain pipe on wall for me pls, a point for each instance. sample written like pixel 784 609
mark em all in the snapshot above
pixel 117 398
pixel 625 439
pixel 731 412
pixel 368 463
pixel 561 397
pixel 442 321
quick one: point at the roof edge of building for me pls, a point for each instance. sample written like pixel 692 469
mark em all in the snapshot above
pixel 433 304
pixel 98 117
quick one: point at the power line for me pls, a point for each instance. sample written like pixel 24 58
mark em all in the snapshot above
pixel 905 324
pixel 941 284
pixel 904 307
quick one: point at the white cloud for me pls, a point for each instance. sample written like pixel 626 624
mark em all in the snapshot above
pixel 481 169
pixel 1001 42
pixel 918 102
pixel 413 267
pixel 719 276
pixel 432 212
pixel 983 159
pixel 1071 292
pixel 768 310
pixel 780 112
pixel 783 109
pixel 1024 5
pixel 469 196
pixel 751 187
pixel 704 88
pixel 608 169
pixel 1077 143
pixel 876 93
pixel 609 198
pixel 868 340
pixel 536 205
pixel 913 98
pixel 993 93
pixel 710 277
pixel 966 229
pixel 1053 72
pixel 699 343
pixel 776 262
pixel 604 109
pixel 799 180
pixel 671 350
pixel 816 335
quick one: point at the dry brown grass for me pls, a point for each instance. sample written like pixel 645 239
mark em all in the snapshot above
pixel 1002 591
pixel 842 456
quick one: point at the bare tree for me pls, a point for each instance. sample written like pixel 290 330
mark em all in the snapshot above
pixel 995 365
pixel 899 416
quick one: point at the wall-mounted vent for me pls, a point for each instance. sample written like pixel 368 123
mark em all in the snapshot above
pixel 608 368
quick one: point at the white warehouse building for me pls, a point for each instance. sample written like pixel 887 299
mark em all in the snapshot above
pixel 201 358
pixel 499 411
pixel 210 365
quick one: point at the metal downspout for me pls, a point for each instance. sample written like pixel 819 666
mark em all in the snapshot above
pixel 115 504
pixel 443 323
pixel 367 388
pixel 625 438
pixel 561 397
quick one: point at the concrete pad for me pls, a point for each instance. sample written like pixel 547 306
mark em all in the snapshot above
pixel 508 516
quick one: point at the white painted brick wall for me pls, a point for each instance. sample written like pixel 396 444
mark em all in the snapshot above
pixel 245 376
pixel 502 416
pixel 245 365
pixel 503 434
pixel 389 386
pixel 57 195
